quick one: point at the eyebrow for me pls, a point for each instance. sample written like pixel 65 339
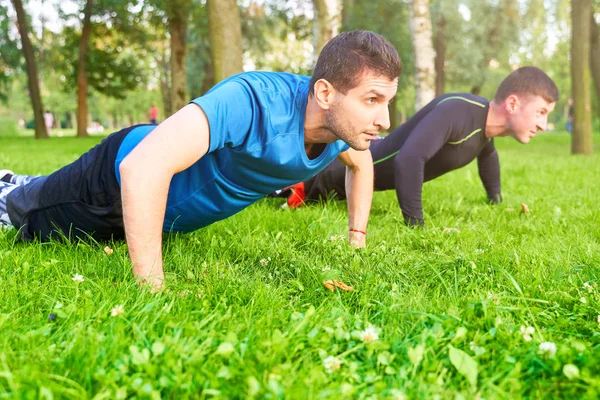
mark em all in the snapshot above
pixel 375 92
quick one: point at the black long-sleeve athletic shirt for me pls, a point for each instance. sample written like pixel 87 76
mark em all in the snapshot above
pixel 445 135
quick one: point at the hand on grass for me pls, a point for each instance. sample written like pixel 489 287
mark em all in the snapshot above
pixel 154 283
pixel 357 239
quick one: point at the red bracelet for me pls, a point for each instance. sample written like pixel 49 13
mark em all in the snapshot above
pixel 356 230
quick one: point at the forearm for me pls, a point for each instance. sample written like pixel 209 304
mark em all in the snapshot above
pixel 144 193
pixel 359 193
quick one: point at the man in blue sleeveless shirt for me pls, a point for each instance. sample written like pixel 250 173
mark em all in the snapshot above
pixel 251 134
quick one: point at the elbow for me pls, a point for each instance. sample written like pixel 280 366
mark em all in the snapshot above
pixel 126 167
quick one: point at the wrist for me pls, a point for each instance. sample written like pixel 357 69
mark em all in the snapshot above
pixel 358 231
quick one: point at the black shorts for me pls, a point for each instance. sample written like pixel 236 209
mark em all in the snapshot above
pixel 80 200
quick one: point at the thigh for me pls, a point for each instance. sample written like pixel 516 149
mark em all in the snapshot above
pixel 82 199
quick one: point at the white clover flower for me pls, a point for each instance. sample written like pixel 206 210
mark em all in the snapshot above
pixel 118 310
pixel 548 349
pixel 335 238
pixel 326 268
pixel 527 332
pixel 332 364
pixel 398 394
pixel 265 261
pixel 369 335
pixel 78 278
pixel 571 371
pixel 476 349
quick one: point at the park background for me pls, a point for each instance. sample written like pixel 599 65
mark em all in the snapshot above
pixel 484 302
pixel 106 62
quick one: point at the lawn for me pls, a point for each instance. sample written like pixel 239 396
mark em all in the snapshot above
pixel 506 305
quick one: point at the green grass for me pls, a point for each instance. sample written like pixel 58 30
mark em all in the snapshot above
pixel 448 307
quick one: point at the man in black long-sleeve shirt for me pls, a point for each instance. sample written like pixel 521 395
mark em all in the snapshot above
pixel 447 134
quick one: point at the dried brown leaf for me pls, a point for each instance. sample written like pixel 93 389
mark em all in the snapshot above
pixel 332 284
pixel 524 208
pixel 108 251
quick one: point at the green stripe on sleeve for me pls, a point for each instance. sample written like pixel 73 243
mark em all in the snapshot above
pixel 462 98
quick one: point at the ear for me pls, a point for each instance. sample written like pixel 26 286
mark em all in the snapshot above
pixel 512 103
pixel 324 93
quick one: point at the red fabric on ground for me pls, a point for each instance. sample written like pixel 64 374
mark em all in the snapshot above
pixel 298 196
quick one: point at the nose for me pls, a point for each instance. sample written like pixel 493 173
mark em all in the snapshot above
pixel 543 125
pixel 383 119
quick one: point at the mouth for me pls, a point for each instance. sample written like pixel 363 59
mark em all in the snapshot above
pixel 373 135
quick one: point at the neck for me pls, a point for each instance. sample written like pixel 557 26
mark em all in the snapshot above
pixel 496 122
pixel 315 126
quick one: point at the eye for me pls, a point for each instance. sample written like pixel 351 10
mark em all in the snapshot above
pixel 372 100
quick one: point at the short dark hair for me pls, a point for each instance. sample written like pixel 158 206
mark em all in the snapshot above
pixel 527 80
pixel 345 57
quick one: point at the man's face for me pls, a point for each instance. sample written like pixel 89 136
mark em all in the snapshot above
pixel 528 114
pixel 362 113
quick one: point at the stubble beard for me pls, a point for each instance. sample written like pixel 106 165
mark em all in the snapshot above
pixel 344 131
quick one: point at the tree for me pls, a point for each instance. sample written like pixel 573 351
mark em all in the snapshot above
pixel 580 77
pixel 105 54
pixel 420 26
pixel 439 13
pixel 225 38
pixel 327 22
pixel 533 32
pixel 10 55
pixel 177 12
pixel 82 79
pixel 595 54
pixel 390 19
pixel 32 74
pixel 479 55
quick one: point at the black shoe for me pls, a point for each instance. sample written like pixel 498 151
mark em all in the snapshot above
pixel 6 175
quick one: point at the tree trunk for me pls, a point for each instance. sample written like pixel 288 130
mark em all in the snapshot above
pixel 82 81
pixel 440 55
pixel 209 78
pixel 32 74
pixel 420 27
pixel 225 38
pixel 347 7
pixel 580 77
pixel 178 13
pixel 165 81
pixel 595 54
pixel 327 22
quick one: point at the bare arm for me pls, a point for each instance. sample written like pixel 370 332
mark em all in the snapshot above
pixel 359 192
pixel 146 174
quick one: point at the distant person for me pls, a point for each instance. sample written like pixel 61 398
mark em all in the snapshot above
pixel 250 135
pixel 48 120
pixel 153 114
pixel 447 134
pixel 569 123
